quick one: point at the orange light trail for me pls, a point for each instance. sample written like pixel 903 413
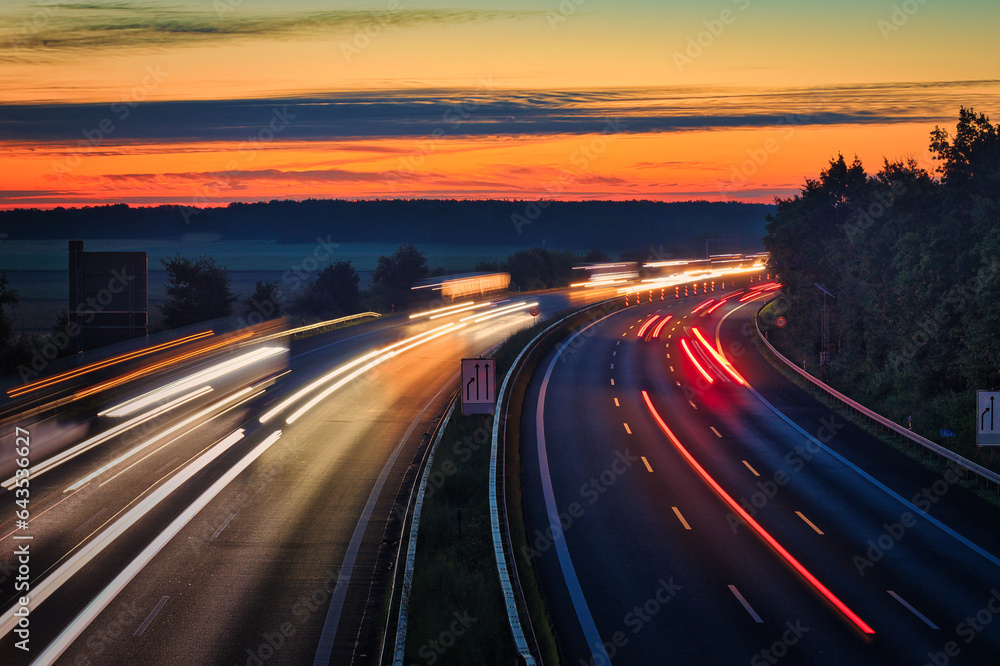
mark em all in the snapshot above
pixel 723 361
pixel 645 327
pixel 751 296
pixel 97 365
pixel 687 351
pixel 156 366
pixel 659 327
pixel 716 306
pixel 742 513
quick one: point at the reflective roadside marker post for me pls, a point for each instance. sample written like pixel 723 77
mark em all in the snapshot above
pixel 987 420
pixel 478 386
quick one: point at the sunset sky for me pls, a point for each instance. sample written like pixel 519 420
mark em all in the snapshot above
pixel 203 102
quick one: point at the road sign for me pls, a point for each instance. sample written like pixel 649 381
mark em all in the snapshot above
pixel 780 322
pixel 947 433
pixel 478 386
pixel 533 310
pixel 987 420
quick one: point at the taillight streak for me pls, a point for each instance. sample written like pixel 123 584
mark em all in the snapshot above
pixel 748 519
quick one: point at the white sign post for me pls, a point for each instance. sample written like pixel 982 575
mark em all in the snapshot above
pixel 987 420
pixel 478 386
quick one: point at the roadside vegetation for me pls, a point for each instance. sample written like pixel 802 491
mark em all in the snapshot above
pixel 913 259
pixel 200 289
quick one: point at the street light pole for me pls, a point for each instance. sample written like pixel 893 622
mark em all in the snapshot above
pixel 824 354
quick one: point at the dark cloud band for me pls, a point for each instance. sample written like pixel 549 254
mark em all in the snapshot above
pixel 437 114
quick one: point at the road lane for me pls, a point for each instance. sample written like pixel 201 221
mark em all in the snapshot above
pixel 269 548
pixel 618 544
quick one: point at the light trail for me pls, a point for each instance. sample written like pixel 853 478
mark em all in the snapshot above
pixel 190 382
pixel 90 443
pixel 336 372
pixel 385 357
pixel 748 519
pixel 645 327
pixel 722 360
pixel 659 327
pixel 510 309
pixel 97 365
pixel 702 370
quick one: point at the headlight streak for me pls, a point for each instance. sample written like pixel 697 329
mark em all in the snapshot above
pixel 198 418
pixel 510 309
pixel 703 305
pixel 72 631
pixel 443 311
pixel 722 360
pixel 386 356
pixel 88 444
pixel 474 306
pixel 748 519
pixel 97 365
pixel 150 369
pixel 336 372
pixel 186 383
pixel 91 549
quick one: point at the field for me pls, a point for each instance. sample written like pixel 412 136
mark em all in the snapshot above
pixel 37 269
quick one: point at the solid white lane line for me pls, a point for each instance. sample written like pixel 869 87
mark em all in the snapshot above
pixel 324 649
pixel 913 610
pixel 680 517
pixel 746 605
pixel 878 484
pixel 152 614
pixel 599 653
pixel 809 522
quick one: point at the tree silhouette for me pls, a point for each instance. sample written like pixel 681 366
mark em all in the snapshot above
pixel 196 291
pixel 334 292
pixel 395 275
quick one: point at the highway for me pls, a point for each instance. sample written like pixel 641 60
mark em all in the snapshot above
pixel 678 516
pixel 263 530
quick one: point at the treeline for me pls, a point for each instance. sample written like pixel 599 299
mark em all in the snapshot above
pixel 200 290
pixel 913 260
pixel 613 225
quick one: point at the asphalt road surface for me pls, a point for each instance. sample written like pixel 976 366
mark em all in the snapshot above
pixel 230 540
pixel 637 470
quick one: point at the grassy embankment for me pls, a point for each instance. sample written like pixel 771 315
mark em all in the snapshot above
pixel 794 349
pixel 455 576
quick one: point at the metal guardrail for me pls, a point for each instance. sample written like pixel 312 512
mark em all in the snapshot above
pixel 960 461
pixel 411 548
pixel 498 546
